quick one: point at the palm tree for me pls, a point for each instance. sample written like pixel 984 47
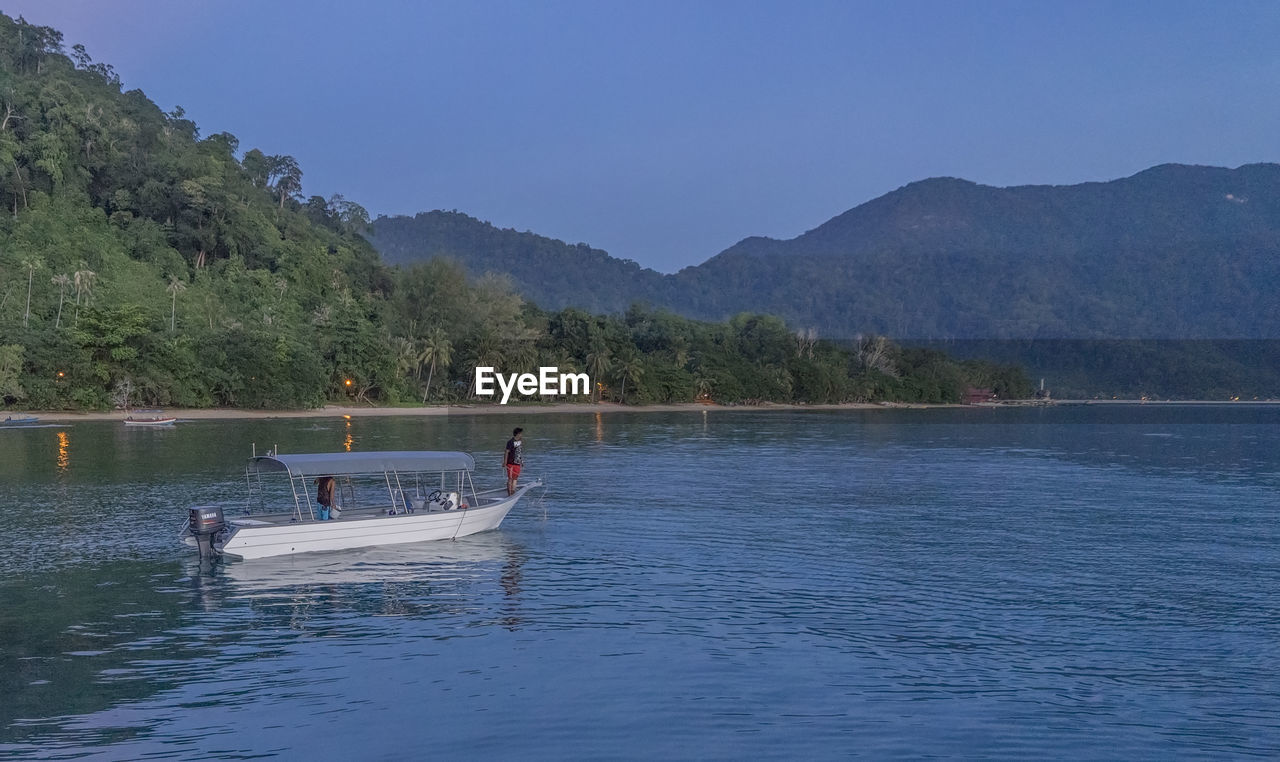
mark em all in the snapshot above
pixel 703 384
pixel 61 280
pixel 31 263
pixel 782 379
pixel 406 357
pixel 212 309
pixel 83 281
pixel 522 353
pixel 598 363
pixel 631 368
pixel 680 351
pixel 564 360
pixel 175 287
pixel 488 353
pixel 435 349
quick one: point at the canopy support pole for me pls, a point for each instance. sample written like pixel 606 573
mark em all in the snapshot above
pixel 297 503
pixel 475 499
pixel 404 507
pixel 390 492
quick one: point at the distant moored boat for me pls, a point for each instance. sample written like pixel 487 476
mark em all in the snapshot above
pixel 149 418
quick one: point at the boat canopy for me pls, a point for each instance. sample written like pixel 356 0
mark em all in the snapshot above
pixel 354 463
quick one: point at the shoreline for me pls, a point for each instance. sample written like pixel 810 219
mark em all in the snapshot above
pixel 339 411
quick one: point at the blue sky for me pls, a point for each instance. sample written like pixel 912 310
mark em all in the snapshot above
pixel 666 131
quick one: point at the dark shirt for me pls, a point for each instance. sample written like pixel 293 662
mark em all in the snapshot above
pixel 324 492
pixel 515 452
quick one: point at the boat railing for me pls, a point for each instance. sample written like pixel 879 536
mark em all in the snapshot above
pixel 396 491
pixel 298 500
pixel 403 489
pixel 346 494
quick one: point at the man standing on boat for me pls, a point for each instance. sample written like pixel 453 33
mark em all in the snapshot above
pixel 324 496
pixel 513 459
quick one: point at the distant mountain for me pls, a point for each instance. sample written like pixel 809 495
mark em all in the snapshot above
pixel 1174 251
pixel 551 273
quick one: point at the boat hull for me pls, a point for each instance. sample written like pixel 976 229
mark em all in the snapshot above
pixel 247 540
pixel 157 422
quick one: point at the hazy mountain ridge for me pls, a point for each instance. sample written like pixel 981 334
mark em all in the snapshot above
pixel 1160 205
pixel 1174 251
pixel 549 271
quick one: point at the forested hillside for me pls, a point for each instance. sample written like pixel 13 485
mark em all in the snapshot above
pixel 1173 252
pixel 144 263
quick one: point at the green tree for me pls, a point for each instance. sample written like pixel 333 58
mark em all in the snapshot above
pixel 286 176
pixel 348 216
pixel 11 373
pixel 436 349
pixel 703 384
pixel 31 263
pixel 487 351
pixel 83 280
pixel 630 368
pixel 62 282
pixel 114 340
pixel 405 353
pixel 175 287
pixel 257 167
pixel 598 364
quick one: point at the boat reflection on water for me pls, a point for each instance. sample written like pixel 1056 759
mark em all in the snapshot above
pixel 472 577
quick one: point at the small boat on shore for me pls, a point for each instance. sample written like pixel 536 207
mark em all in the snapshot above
pixel 149 418
pixel 379 498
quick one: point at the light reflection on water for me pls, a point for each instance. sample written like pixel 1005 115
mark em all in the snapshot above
pixel 64 451
pixel 720 585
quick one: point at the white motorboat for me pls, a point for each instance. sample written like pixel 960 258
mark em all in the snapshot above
pixel 380 498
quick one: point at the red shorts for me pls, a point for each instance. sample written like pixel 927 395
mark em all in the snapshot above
pixel 513 471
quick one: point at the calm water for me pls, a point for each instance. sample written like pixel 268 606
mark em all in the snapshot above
pixel 1072 582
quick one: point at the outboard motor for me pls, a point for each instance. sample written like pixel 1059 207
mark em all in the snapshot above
pixel 205 522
